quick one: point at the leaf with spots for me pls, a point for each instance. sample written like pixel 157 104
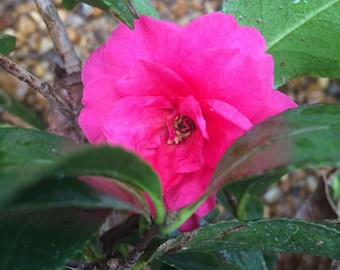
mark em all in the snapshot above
pixel 302 35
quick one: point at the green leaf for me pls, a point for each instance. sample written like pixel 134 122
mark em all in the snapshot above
pixel 24 154
pixel 7 44
pixel 114 162
pixel 125 10
pixel 69 4
pixel 9 104
pixel 274 235
pixel 301 35
pixel 68 191
pixel 39 161
pixel 304 137
pixel 45 239
pixel 237 260
pixel 307 136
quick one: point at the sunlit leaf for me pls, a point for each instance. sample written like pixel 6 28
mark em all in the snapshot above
pixel 274 235
pixel 7 44
pixel 301 35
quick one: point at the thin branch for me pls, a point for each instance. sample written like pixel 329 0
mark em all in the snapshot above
pixel 41 87
pixel 59 36
pixel 118 263
pixel 141 245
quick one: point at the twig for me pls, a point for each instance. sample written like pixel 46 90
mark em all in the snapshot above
pixel 118 263
pixel 59 36
pixel 41 87
pixel 135 254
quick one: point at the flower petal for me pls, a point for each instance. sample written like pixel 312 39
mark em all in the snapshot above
pixel 239 79
pixel 151 40
pixel 99 95
pixel 218 30
pixel 151 79
pixel 276 102
pixel 93 67
pixel 229 113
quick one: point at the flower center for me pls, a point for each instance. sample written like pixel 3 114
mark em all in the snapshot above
pixel 180 128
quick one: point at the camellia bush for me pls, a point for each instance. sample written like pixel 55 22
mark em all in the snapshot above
pixel 161 128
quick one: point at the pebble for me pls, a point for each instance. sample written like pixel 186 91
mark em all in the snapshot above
pixel 26 25
pixel 272 195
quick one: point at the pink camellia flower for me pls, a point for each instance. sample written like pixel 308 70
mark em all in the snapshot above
pixel 179 97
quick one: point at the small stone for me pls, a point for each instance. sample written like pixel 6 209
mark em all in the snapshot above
pixel 34 42
pixel 73 35
pixel 272 195
pixel 26 25
pixel 96 12
pixel 46 45
pixel 180 8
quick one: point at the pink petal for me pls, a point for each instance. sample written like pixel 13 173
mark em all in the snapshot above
pixel 218 30
pixel 94 67
pixel 229 75
pixel 222 133
pixel 98 98
pixel 190 107
pixel 151 79
pixel 152 40
pixel 276 102
pixel 138 122
pixel 229 113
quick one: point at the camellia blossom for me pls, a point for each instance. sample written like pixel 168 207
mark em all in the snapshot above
pixel 179 97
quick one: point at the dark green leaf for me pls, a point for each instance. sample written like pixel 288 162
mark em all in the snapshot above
pixel 302 137
pixel 114 162
pixel 275 235
pixel 45 239
pixel 194 261
pixel 226 260
pixel 38 161
pixel 301 35
pixel 7 44
pixel 125 10
pixel 24 154
pixel 69 4
pixel 65 192
pixel 9 104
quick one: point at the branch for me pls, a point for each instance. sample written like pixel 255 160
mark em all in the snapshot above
pixel 59 36
pixel 41 87
pixel 118 263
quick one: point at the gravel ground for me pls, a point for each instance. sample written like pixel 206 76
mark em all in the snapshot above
pixel 89 27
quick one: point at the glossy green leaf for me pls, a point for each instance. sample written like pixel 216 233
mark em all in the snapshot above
pixel 125 10
pixel 45 239
pixel 9 104
pixel 44 172
pixel 307 136
pixel 24 154
pixel 274 235
pixel 7 44
pixel 231 260
pixel 114 162
pixel 301 34
pixel 302 137
pixel 69 4
pixel 68 191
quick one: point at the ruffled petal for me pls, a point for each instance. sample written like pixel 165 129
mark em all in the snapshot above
pixel 98 98
pixel 151 40
pixel 238 79
pixel 151 79
pixel 218 30
pixel 138 123
pixel 94 67
pixel 276 102
pixel 229 113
